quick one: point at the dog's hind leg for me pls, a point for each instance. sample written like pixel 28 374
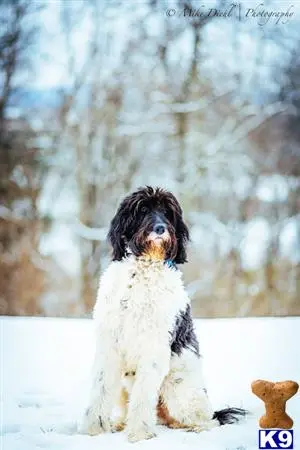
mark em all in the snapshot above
pixel 106 385
pixel 183 398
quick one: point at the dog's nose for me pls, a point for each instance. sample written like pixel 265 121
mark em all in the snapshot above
pixel 159 228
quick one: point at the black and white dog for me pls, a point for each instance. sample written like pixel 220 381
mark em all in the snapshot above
pixel 147 354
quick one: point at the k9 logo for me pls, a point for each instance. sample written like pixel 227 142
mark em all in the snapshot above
pixel 275 439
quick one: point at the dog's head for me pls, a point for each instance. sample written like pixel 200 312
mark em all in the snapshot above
pixel 149 221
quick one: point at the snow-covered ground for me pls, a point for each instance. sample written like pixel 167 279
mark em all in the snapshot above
pixel 45 366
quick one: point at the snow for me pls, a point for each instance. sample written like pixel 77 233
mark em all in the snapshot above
pixel 46 362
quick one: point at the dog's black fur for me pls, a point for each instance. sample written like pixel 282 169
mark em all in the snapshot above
pixel 183 335
pixel 135 218
pixel 229 415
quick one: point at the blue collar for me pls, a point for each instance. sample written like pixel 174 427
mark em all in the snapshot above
pixel 171 264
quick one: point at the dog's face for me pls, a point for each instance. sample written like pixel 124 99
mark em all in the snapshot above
pixel 149 221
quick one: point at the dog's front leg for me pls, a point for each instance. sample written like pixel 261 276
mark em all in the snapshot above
pixel 150 374
pixel 104 390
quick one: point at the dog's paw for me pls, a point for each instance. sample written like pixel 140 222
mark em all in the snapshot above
pixel 117 427
pixel 205 426
pixel 94 424
pixel 196 429
pixel 140 433
pixel 94 429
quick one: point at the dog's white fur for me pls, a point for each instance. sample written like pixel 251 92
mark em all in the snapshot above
pixel 138 302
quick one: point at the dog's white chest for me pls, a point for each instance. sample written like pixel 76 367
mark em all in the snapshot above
pixel 142 308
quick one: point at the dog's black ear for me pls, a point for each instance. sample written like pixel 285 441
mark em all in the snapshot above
pixel 116 235
pixel 182 235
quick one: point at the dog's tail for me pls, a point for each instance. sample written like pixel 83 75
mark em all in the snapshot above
pixel 229 415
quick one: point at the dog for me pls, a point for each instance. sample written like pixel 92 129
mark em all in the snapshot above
pixel 147 360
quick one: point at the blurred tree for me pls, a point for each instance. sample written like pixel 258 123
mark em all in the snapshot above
pixel 149 99
pixel 21 169
pixel 289 161
pixel 87 127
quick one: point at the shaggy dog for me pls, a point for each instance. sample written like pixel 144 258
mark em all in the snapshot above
pixel 147 354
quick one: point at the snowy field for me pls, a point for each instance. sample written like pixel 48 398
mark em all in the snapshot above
pixel 45 365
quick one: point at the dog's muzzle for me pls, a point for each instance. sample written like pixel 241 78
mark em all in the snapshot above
pixel 159 231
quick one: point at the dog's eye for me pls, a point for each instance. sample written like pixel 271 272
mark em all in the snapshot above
pixel 144 210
